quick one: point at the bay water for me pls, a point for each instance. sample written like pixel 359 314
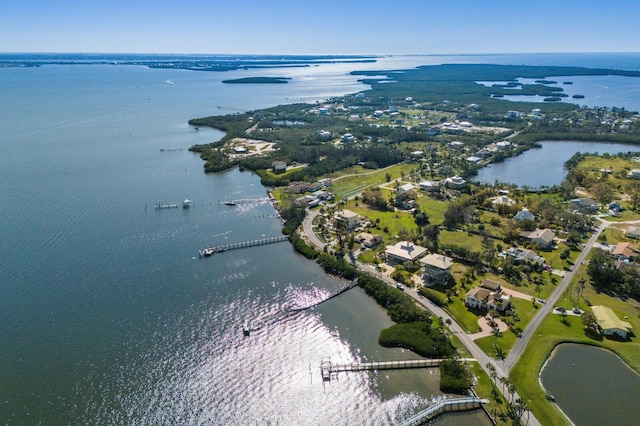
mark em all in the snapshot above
pixel 107 314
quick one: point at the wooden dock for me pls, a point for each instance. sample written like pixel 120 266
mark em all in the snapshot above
pixel 444 406
pixel 209 250
pixel 329 369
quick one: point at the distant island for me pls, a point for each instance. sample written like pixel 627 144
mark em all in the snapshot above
pixel 258 80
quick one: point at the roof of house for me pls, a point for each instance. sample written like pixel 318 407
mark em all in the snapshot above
pixel 406 187
pixel 405 250
pixel 502 200
pixel 478 293
pixel 346 214
pixel 491 285
pixel 546 235
pixel 607 319
pixel 627 250
pixel 524 214
pixel 437 261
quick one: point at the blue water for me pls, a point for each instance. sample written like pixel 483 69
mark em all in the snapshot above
pixel 107 315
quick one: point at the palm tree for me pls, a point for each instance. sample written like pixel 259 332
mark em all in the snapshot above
pixel 492 373
pixel 582 283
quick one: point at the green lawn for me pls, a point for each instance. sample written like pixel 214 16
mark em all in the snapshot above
pixel 434 208
pixel 395 222
pixel 505 342
pixel 461 238
pixel 353 181
pixel 467 319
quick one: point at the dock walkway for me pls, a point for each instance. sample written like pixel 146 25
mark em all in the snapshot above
pixel 210 250
pixel 444 406
pixel 330 369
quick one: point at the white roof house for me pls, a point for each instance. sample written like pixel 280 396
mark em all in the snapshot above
pixel 454 182
pixel 405 188
pixel 349 218
pixel 404 251
pixel 502 200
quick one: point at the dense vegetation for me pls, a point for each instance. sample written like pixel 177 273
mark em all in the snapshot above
pixel 419 337
pixel 455 377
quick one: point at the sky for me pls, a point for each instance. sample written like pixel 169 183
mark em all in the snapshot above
pixel 320 26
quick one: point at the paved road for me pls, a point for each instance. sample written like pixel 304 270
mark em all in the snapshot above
pixel 518 348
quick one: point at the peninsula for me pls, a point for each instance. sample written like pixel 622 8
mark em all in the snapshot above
pixel 258 80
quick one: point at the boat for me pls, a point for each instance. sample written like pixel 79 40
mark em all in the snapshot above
pixel 246 329
pixel 186 203
pixel 230 203
pixel 207 252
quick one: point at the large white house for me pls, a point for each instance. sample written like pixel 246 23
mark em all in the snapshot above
pixel 404 251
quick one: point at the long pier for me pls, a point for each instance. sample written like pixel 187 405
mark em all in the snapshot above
pixel 444 406
pixel 329 369
pixel 280 316
pixel 210 250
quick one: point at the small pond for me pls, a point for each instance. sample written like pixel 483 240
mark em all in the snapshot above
pixel 592 386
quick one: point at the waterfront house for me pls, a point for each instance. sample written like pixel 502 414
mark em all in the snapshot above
pixel 299 187
pixel 610 323
pixel 542 237
pixel 404 251
pixel 454 182
pixel 278 166
pixel 436 269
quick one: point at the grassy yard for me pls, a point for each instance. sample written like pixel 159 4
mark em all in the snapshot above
pixel 353 181
pixel 467 319
pixel 461 238
pixel 394 222
pixel 505 342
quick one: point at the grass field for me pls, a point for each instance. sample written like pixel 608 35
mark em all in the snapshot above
pixel 353 181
